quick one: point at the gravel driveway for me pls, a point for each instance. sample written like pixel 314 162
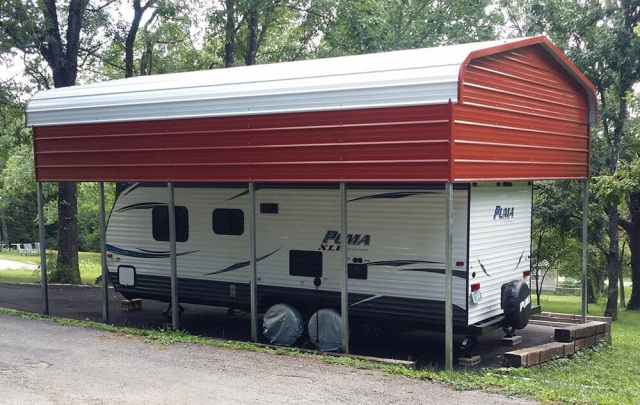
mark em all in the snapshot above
pixel 42 363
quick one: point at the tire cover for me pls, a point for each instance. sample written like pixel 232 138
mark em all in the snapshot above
pixel 325 330
pixel 282 325
pixel 516 302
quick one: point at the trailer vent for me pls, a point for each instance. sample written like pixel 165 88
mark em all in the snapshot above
pixel 269 208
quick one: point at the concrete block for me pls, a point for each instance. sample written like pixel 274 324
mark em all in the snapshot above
pixel 522 358
pixel 577 331
pixel 584 343
pixel 551 351
pixel 469 361
pixel 569 348
pixel 511 341
pixel 131 305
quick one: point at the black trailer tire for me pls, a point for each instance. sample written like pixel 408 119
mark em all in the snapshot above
pixel 516 303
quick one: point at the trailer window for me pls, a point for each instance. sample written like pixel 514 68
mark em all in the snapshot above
pixel 227 221
pixel 305 263
pixel 160 223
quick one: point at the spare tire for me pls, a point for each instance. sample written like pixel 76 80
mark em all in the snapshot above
pixel 516 303
pixel 282 325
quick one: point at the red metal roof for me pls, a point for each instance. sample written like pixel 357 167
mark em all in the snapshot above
pixel 522 113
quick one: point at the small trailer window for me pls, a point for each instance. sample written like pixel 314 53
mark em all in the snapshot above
pixel 160 223
pixel 305 263
pixel 228 221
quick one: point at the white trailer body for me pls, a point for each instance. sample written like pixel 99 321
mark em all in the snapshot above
pixel 396 247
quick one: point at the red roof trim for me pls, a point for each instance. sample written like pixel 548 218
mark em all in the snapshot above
pixel 553 50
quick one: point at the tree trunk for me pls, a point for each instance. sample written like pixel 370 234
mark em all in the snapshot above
pixel 230 34
pixel 62 58
pixel 129 44
pixel 252 37
pixel 4 230
pixel 623 300
pixel 67 268
pixel 612 261
pixel 633 234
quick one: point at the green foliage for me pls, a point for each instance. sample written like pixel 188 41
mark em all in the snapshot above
pixel 362 26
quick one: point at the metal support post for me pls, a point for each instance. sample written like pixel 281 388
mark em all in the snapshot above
pixel 175 308
pixel 585 248
pixel 103 257
pixel 344 247
pixel 254 265
pixel 448 281
pixel 44 286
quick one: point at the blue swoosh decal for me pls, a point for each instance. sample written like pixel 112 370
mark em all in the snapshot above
pixel 142 253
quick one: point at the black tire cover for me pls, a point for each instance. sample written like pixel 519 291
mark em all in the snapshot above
pixel 516 302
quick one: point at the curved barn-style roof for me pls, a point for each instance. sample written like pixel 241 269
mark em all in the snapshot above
pixel 390 79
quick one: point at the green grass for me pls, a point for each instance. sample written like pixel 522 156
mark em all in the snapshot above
pixel 89 268
pixel 604 375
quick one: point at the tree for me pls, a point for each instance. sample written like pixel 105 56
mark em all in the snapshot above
pixel 138 12
pixel 35 28
pixel 600 38
pixel 364 26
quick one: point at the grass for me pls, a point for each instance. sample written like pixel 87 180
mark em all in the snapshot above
pixel 89 268
pixel 604 375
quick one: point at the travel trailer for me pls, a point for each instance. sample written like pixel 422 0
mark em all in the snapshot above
pixel 396 248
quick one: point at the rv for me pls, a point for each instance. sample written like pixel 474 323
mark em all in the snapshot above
pixel 395 248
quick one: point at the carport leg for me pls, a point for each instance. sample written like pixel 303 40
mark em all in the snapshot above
pixel 448 282
pixel 253 285
pixel 344 247
pixel 175 308
pixel 44 285
pixel 585 247
pixel 103 257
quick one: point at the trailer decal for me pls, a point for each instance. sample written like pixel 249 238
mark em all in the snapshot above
pixel 373 297
pixel 145 253
pixel 242 264
pixel 141 206
pixel 331 240
pixel 456 273
pixel 245 192
pixel 397 194
pixel 484 270
pixel 398 263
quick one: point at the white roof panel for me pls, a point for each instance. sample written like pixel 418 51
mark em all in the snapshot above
pixel 399 78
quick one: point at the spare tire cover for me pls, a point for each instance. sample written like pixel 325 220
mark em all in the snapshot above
pixel 516 302
pixel 325 330
pixel 282 325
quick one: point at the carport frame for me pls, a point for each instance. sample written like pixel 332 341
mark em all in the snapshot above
pixel 332 115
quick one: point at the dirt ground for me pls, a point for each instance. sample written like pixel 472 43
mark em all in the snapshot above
pixel 45 363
